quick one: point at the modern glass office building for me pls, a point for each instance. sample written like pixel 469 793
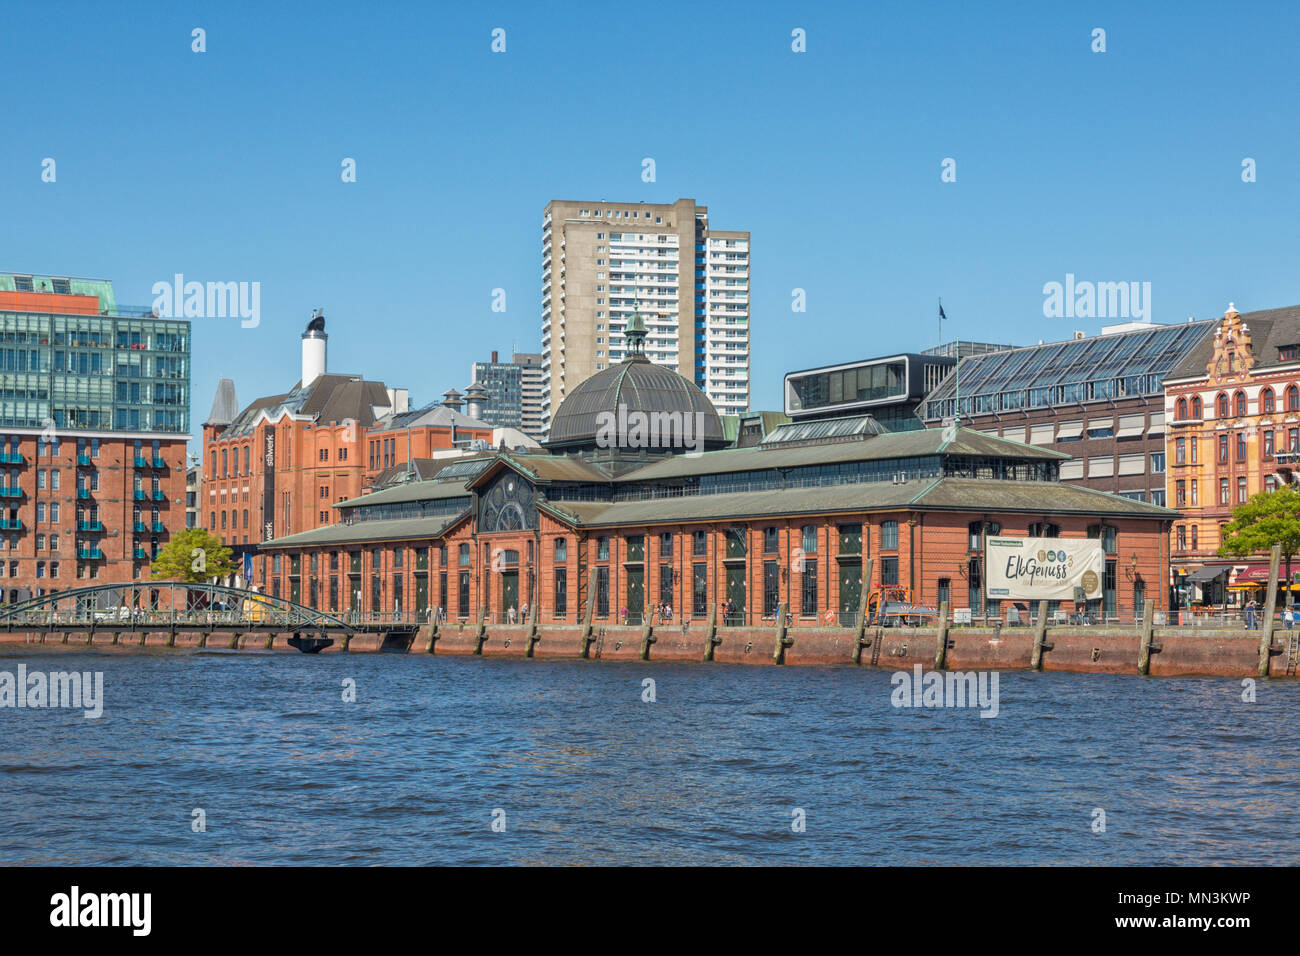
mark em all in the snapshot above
pixel 889 388
pixel 94 413
pixel 70 355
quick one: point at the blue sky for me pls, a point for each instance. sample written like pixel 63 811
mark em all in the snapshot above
pixel 225 166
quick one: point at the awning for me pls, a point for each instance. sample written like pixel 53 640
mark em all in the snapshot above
pixel 1131 426
pixel 1202 575
pixel 1069 430
pixel 1258 574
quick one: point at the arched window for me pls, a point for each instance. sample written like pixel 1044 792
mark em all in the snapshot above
pixel 1292 399
pixel 1266 401
pixel 1222 405
pixel 1196 407
pixel 1182 409
pixel 1239 403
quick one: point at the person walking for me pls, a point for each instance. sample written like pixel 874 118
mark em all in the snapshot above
pixel 1250 614
pixel 1288 617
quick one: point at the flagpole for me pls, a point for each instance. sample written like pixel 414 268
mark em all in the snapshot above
pixel 956 408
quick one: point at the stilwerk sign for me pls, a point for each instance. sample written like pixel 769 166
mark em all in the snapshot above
pixel 1046 569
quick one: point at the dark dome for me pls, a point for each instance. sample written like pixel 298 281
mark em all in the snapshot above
pixel 627 403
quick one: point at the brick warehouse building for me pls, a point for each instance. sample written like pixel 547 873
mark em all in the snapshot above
pixel 1099 400
pixel 278 466
pixel 789 521
pixel 1234 410
pixel 94 403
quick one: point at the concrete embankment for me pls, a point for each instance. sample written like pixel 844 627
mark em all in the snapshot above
pixel 1142 648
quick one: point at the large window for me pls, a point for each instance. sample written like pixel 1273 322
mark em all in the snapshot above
pixel 808 539
pixel 561 593
pixel 889 570
pixel 699 590
pixel 699 543
pixel 771 587
pixel 602 592
pixel 808 589
pixel 889 535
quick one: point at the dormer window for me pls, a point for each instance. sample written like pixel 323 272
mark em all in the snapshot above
pixel 1288 353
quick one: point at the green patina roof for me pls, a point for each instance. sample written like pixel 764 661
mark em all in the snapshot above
pixel 395 529
pixel 910 444
pixel 937 494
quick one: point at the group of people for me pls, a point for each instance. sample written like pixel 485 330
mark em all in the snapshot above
pixel 1252 615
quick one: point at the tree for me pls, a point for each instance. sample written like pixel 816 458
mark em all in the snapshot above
pixel 1268 518
pixel 193 555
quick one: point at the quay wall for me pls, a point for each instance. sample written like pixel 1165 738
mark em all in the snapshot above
pixel 1180 651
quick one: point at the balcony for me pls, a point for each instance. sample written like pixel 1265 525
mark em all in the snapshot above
pixel 140 527
pixel 140 495
pixel 139 462
pixel 159 463
pixel 83 493
pixel 14 525
pixel 90 554
pixel 140 554
pixel 83 461
pixel 159 495
pixel 11 458
pixel 90 526
pixel 10 492
pixel 158 528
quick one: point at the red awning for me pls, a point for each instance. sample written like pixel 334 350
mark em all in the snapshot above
pixel 1258 574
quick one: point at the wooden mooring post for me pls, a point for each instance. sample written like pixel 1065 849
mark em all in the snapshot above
pixel 1146 648
pixel 782 639
pixel 1040 638
pixel 1266 632
pixel 941 648
pixel 861 641
pixel 588 608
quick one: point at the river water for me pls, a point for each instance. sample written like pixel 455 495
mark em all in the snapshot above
pixel 579 769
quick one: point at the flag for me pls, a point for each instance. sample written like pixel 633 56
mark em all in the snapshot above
pixel 941 315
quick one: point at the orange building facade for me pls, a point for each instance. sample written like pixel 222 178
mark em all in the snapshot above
pixel 1234 430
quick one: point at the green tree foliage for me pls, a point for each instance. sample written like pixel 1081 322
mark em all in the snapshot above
pixel 1268 518
pixel 193 555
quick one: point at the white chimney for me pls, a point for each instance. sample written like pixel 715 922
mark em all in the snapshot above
pixel 313 348
pixel 399 400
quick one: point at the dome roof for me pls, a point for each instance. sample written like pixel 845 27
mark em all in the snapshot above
pixel 613 409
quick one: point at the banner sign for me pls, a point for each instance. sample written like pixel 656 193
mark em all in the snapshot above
pixel 1045 569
